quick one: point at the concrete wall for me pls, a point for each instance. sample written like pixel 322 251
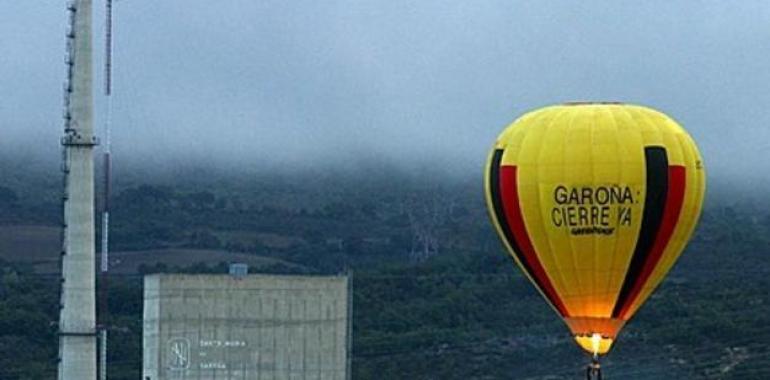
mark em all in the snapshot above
pixel 77 318
pixel 258 327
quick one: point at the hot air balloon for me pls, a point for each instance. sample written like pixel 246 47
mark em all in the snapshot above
pixel 595 202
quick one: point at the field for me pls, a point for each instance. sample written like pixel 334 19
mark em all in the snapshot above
pixel 39 247
pixel 30 244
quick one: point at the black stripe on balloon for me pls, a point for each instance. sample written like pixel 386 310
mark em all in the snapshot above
pixel 656 161
pixel 497 204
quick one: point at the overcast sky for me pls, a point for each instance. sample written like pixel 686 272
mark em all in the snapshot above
pixel 262 83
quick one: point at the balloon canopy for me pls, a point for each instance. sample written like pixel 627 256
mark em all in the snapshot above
pixel 595 202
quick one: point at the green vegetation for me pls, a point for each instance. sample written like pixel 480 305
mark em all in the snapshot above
pixel 435 297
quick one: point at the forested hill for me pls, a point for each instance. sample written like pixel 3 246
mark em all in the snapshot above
pixel 435 296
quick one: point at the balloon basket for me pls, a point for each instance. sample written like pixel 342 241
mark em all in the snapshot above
pixel 594 369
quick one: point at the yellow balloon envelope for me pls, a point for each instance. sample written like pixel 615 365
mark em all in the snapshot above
pixel 595 202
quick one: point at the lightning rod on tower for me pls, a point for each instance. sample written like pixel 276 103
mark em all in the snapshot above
pixel 105 247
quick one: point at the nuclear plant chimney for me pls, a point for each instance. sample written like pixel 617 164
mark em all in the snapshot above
pixel 77 320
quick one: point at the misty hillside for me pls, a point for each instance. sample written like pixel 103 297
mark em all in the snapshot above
pixel 327 137
pixel 435 295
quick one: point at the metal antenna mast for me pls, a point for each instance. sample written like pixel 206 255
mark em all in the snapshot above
pixel 105 247
pixel 77 319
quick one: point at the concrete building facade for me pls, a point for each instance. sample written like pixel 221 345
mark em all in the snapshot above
pixel 77 317
pixel 252 327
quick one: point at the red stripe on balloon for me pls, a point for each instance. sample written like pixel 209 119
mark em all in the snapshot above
pixel 674 199
pixel 510 197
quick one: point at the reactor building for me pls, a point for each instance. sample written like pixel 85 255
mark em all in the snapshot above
pixel 246 327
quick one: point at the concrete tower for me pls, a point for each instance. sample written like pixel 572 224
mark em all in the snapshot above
pixel 77 321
